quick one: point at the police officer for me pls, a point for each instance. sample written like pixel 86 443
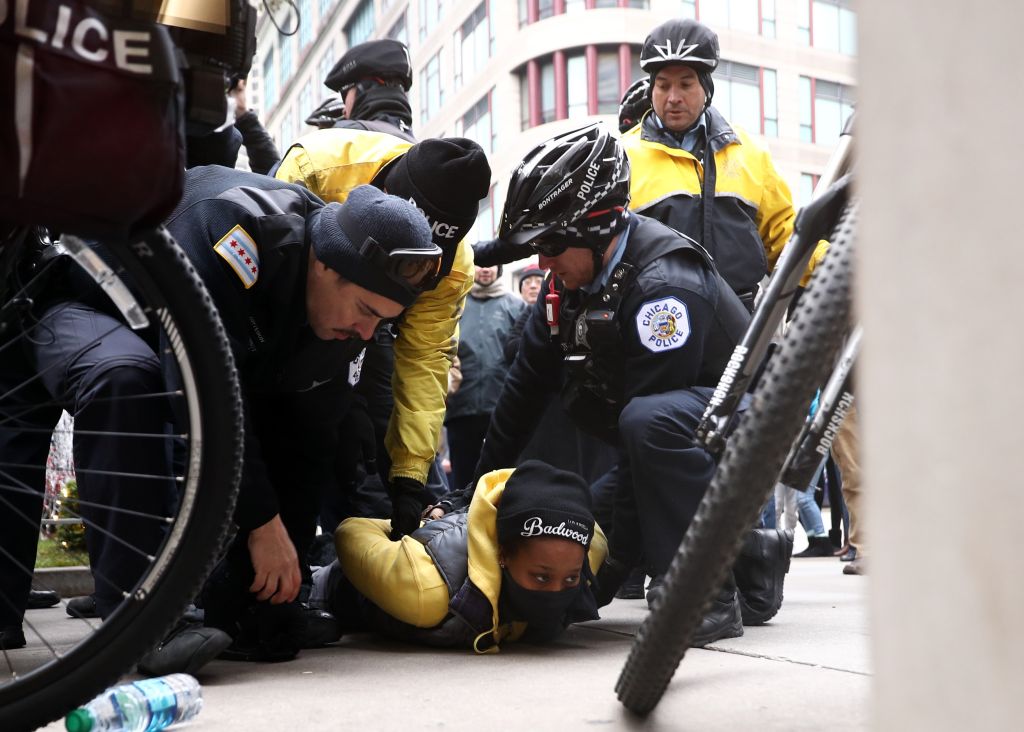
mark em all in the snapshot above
pixel 697 173
pixel 633 331
pixel 373 79
pixel 403 380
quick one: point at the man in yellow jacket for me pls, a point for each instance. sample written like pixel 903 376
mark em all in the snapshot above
pixel 698 174
pixel 445 178
pixel 519 563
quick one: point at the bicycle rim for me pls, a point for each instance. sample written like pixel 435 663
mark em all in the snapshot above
pixel 69 660
pixel 745 476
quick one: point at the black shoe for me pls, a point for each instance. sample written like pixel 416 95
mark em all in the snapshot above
pixel 722 620
pixel 83 607
pixel 39 599
pixel 11 637
pixel 817 546
pixel 609 579
pixel 760 572
pixel 187 648
pixel 633 587
pixel 322 628
pixel 268 633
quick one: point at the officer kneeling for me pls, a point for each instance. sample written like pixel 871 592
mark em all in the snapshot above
pixel 634 328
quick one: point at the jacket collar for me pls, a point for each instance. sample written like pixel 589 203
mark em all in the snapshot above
pixel 720 133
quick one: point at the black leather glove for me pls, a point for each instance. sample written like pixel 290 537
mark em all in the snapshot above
pixel 408 498
pixel 609 579
pixel 498 251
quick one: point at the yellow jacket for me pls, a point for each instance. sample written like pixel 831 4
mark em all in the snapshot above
pixel 753 210
pixel 402 579
pixel 331 163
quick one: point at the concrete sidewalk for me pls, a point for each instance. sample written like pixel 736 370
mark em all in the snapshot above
pixel 807 670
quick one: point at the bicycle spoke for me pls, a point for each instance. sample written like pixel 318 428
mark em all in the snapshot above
pixel 92 504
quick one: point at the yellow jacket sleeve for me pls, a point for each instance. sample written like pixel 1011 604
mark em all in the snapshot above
pixel 427 343
pixel 399 577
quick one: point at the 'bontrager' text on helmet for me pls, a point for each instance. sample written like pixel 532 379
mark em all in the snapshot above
pixel 576 183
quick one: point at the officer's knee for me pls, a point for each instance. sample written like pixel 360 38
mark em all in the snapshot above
pixel 668 420
pixel 119 380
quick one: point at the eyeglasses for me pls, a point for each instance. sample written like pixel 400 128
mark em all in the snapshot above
pixel 549 247
pixel 418 269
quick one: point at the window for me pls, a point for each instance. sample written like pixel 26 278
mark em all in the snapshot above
pixel 306 101
pixel 806 190
pixel 326 63
pixel 325 8
pixel 688 8
pixel 608 82
pixel 477 123
pixel 430 14
pixel 474 42
pixel 269 82
pixel 288 129
pixel 360 25
pixel 483 227
pixel 830 25
pixel 741 15
pixel 399 31
pixel 547 91
pixel 639 4
pixel 287 61
pixel 738 94
pixel 769 104
pixel 430 84
pixel 545 9
pixel 305 22
pixel 606 3
pixel 824 108
pixel 768 18
pixel 577 85
pixel 524 99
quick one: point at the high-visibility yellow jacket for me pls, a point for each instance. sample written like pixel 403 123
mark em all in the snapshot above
pixel 405 579
pixel 752 212
pixel 331 163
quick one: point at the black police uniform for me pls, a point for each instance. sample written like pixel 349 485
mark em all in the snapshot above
pixel 635 363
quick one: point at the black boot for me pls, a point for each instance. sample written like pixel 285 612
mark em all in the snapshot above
pixel 722 620
pixel 633 587
pixel 817 546
pixel 760 571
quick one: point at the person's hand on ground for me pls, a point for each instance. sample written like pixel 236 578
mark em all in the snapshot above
pixel 276 563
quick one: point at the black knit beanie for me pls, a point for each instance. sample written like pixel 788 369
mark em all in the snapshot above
pixel 540 500
pixel 345 235
pixel 445 178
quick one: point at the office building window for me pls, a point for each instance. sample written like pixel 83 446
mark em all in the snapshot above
pixel 806 190
pixel 830 25
pixel 825 106
pixel 430 14
pixel 399 31
pixel 688 8
pixel 305 22
pixel 325 8
pixel 288 129
pixel 430 88
pixel 577 86
pixel 483 227
pixel 305 101
pixel 768 18
pixel 477 123
pixel 769 104
pixel 325 64
pixel 547 90
pixel 738 94
pixel 474 43
pixel 287 60
pixel 609 92
pixel 269 83
pixel 524 99
pixel 360 26
pixel 740 15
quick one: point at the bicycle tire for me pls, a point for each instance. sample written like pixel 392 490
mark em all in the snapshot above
pixel 171 291
pixel 745 477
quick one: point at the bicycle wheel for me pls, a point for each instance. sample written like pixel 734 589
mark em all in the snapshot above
pixel 66 661
pixel 745 476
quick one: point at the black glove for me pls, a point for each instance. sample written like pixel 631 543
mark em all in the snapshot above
pixel 609 579
pixel 408 498
pixel 498 251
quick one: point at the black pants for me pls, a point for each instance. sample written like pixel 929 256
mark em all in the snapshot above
pixel 465 439
pixel 650 497
pixel 103 374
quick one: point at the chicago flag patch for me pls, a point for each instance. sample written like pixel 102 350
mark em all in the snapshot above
pixel 663 325
pixel 239 250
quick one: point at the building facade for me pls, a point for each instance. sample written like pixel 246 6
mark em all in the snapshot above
pixel 511 74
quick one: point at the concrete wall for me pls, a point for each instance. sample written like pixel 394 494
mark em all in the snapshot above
pixel 940 294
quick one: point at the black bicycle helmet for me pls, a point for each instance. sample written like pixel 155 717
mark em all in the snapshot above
pixel 687 42
pixel 635 103
pixel 384 59
pixel 330 111
pixel 576 183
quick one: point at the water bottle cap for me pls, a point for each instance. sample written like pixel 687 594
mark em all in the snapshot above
pixel 79 720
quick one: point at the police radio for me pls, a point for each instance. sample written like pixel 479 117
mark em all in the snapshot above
pixel 552 306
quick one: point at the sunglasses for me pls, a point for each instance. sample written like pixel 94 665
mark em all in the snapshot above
pixel 549 247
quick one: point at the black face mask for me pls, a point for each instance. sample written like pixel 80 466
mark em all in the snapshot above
pixel 536 607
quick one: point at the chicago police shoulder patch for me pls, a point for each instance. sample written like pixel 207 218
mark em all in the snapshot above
pixel 239 250
pixel 663 325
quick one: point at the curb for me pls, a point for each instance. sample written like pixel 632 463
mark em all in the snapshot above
pixel 65 581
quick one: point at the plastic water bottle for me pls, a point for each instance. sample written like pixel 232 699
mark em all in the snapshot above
pixel 142 706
